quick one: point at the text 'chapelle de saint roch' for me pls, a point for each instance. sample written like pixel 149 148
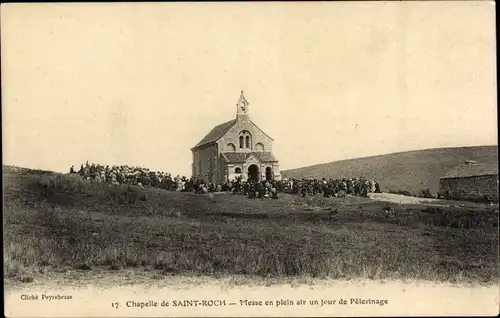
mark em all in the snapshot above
pixel 251 303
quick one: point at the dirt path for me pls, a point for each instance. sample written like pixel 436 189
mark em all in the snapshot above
pixel 402 199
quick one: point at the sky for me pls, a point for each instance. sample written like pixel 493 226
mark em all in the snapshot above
pixel 142 83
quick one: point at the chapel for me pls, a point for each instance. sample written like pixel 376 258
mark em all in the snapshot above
pixel 236 148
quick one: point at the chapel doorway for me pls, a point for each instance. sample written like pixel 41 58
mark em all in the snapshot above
pixel 269 174
pixel 253 173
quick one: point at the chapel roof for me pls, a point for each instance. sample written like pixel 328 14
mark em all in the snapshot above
pixel 237 157
pixel 472 170
pixel 264 156
pixel 216 133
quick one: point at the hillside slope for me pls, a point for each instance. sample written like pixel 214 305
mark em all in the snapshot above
pixel 55 224
pixel 411 171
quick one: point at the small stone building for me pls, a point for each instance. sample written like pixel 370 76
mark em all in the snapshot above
pixel 237 148
pixel 470 182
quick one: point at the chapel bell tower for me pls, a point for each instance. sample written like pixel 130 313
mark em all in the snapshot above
pixel 242 107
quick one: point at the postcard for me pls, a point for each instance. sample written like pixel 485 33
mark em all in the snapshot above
pixel 263 159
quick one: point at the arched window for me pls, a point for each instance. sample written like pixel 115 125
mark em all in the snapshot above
pixel 259 146
pixel 237 170
pixel 245 139
pixel 230 147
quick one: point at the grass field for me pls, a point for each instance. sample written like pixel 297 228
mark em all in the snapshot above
pixel 411 171
pixel 54 223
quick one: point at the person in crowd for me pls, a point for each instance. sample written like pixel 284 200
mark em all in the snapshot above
pixel 261 190
pixel 251 190
pixel 246 188
pixel 303 188
pixel 274 193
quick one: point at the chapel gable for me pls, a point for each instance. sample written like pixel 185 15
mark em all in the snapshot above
pixel 246 136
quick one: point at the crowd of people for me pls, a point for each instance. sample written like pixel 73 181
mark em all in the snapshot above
pixel 132 175
pixel 252 189
pixel 333 187
pixel 143 177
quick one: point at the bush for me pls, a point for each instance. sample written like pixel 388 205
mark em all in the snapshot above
pixel 431 210
pixel 426 193
pixel 83 267
pixel 404 192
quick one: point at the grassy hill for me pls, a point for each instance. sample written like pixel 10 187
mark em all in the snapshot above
pixel 411 171
pixel 56 224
